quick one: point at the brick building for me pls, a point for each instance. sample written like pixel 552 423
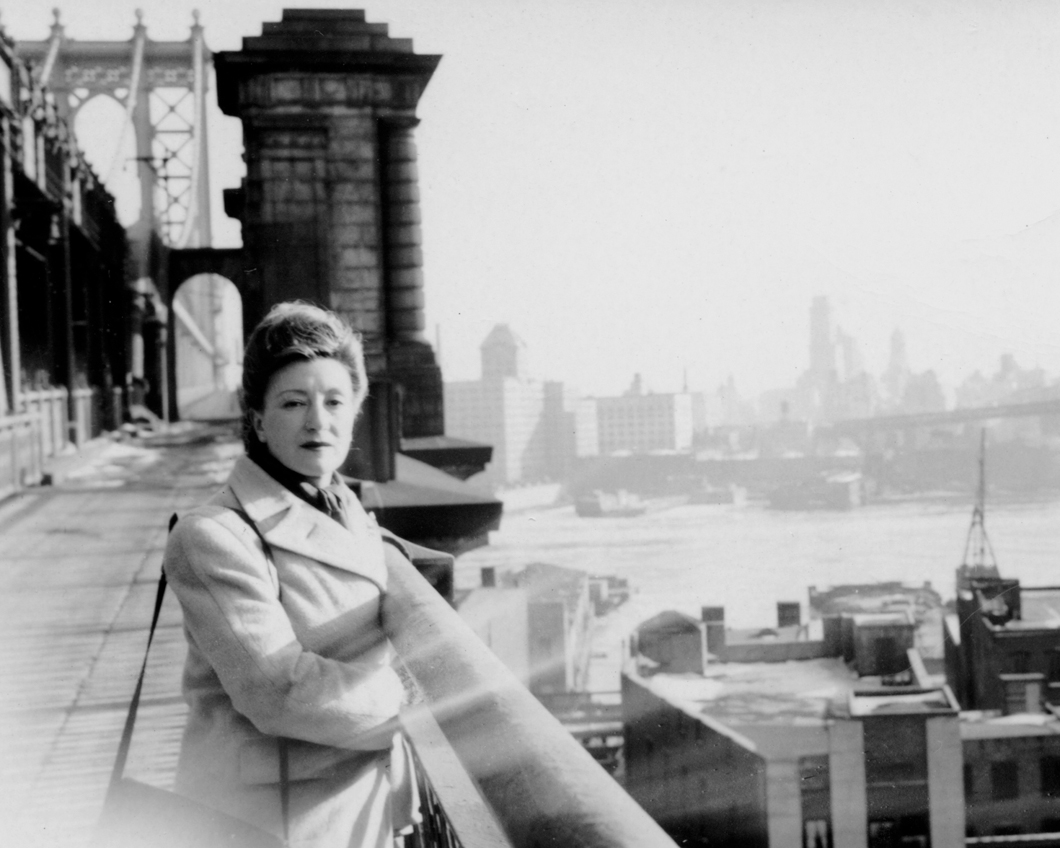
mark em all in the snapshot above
pixel 796 752
pixel 833 733
pixel 1003 645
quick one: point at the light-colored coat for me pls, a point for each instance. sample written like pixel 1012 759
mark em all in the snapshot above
pixel 285 643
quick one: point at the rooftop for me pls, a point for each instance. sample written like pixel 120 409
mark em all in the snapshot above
pixel 1040 607
pixel 800 692
pixel 978 724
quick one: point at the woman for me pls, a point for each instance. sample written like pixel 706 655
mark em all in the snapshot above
pixel 281 577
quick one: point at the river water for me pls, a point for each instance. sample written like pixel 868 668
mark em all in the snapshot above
pixel 746 558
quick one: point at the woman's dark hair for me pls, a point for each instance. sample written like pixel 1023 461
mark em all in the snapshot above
pixel 292 332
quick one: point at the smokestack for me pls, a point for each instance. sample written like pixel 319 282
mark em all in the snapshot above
pixel 833 635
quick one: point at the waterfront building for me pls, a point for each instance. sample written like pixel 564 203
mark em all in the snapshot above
pixel 1003 662
pixel 780 741
pixel 1011 776
pixel 636 422
pixel 1003 644
pixel 530 423
pixel 834 732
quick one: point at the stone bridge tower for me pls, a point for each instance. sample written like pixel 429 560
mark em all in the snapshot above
pixel 330 204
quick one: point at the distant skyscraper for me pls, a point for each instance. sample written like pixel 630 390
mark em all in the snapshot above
pixel 836 385
pixel 822 345
pixel 896 377
pixel 503 354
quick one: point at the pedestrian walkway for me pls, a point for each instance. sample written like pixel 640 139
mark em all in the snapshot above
pixel 79 565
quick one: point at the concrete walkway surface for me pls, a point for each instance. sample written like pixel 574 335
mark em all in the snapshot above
pixel 79 566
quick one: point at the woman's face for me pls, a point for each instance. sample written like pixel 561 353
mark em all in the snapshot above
pixel 307 418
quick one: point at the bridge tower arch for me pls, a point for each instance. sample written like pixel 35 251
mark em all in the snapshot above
pixel 162 88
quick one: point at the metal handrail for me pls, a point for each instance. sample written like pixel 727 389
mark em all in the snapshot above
pixel 543 787
pixel 454 814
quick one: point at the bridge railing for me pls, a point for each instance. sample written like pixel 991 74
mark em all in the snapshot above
pixel 50 408
pixel 20 452
pixel 86 418
pixel 489 744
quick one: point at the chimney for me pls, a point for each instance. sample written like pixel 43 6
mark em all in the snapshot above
pixel 833 635
pixel 714 620
pixel 489 577
pixel 789 614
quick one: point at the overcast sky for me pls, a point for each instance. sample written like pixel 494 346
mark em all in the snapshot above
pixel 660 186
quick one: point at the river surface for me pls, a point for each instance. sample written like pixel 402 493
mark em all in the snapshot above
pixel 746 558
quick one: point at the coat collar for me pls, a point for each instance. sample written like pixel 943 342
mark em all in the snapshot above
pixel 286 521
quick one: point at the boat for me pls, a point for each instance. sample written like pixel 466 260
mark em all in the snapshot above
pixel 620 504
pixel 835 491
pixel 707 494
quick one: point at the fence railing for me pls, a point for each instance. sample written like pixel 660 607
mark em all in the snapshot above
pixel 49 421
pixel 507 751
pixel 86 420
pixel 50 406
pixel 454 813
pixel 20 453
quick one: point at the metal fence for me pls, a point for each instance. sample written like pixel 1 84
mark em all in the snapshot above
pixel 20 453
pixel 50 422
pixel 50 407
pixel 86 419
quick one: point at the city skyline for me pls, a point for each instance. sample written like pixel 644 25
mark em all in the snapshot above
pixel 661 188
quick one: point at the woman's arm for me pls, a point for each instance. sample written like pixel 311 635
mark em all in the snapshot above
pixel 233 613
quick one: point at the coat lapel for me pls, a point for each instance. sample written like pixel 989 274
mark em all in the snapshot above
pixel 287 522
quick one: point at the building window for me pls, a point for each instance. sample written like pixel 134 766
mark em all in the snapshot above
pixel 1050 767
pixel 969 781
pixel 1019 662
pixel 815 789
pixel 1054 666
pixel 883 833
pixel 1004 780
pixel 817 833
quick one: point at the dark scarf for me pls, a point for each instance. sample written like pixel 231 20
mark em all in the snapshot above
pixel 328 499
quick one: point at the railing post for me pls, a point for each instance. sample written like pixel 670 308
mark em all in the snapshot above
pixel 454 813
